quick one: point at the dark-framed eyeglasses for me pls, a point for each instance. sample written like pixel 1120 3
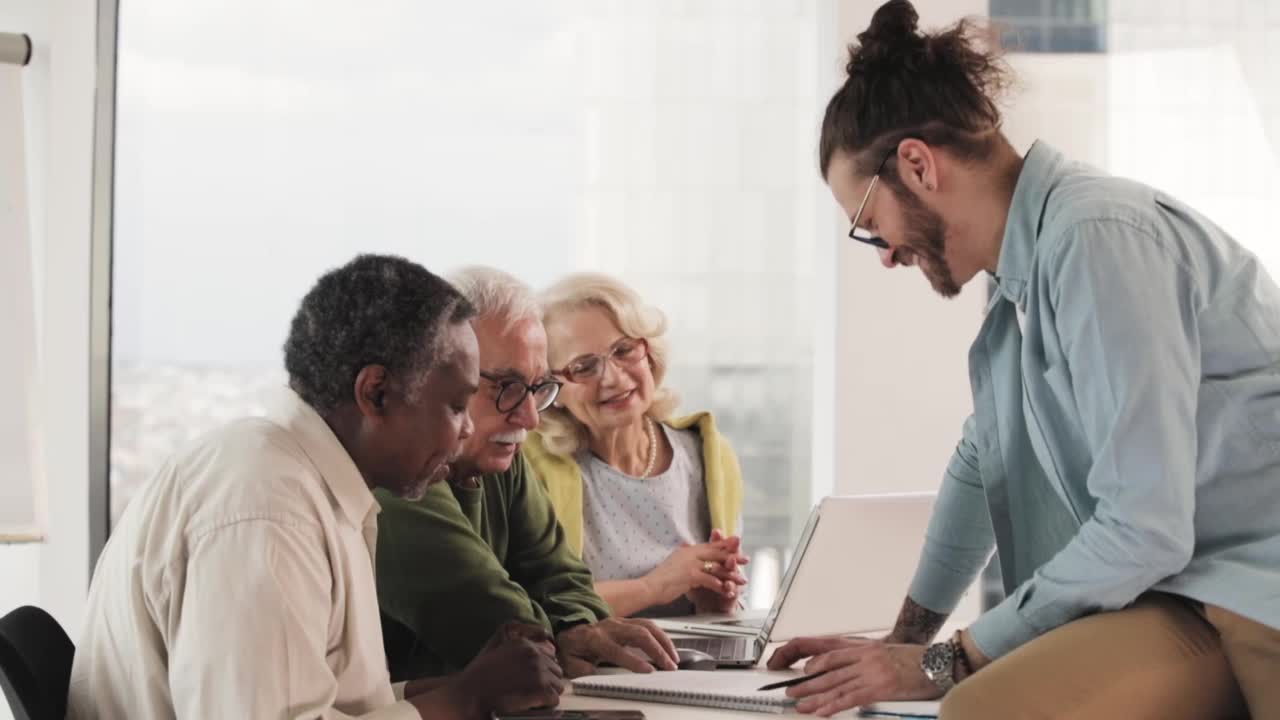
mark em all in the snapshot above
pixel 512 392
pixel 623 353
pixel 863 235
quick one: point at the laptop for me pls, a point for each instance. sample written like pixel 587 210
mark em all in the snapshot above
pixel 851 569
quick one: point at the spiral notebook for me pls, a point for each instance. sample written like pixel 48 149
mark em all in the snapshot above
pixel 723 689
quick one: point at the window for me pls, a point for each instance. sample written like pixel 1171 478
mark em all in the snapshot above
pixel 261 142
pixel 1194 109
pixel 1052 26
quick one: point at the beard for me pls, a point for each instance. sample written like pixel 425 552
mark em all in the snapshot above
pixel 926 237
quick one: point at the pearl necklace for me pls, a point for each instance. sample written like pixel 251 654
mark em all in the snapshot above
pixel 653 447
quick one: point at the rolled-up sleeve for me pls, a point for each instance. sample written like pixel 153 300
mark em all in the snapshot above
pixel 959 540
pixel 251 633
pixel 1125 314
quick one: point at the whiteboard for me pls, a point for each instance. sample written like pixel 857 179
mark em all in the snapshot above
pixel 21 486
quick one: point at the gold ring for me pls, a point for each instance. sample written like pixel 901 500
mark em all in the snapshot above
pixel 708 566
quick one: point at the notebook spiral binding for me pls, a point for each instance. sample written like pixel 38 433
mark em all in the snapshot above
pixel 683 697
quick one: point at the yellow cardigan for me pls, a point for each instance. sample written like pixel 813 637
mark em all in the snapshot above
pixel 723 477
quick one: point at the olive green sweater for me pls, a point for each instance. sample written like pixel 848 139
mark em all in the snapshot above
pixel 458 563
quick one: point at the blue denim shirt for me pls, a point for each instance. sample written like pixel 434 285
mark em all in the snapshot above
pixel 1127 438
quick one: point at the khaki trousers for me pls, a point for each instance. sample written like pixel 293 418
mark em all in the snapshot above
pixel 1164 658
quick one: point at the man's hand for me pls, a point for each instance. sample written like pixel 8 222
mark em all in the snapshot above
pixel 858 672
pixel 582 647
pixel 512 631
pixel 517 670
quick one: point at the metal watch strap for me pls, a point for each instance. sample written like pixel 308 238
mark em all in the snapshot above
pixel 939 664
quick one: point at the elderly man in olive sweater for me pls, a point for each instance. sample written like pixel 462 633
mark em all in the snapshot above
pixel 486 548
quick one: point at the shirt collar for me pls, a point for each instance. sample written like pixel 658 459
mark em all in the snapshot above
pixel 286 409
pixel 1041 170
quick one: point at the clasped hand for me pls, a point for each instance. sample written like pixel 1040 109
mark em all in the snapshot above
pixel 706 573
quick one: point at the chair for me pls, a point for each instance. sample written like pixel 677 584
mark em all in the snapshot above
pixel 35 664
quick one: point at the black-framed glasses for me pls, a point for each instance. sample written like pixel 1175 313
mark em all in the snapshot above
pixel 860 234
pixel 623 353
pixel 513 392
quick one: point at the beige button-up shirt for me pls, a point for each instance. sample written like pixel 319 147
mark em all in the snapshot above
pixel 239 584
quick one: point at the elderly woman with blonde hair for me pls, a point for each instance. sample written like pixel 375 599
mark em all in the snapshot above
pixel 652 502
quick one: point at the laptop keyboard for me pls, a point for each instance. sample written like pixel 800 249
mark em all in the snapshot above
pixel 720 648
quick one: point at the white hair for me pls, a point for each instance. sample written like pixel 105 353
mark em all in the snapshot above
pixel 495 293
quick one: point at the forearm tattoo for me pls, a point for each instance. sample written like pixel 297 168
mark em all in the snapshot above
pixel 916 625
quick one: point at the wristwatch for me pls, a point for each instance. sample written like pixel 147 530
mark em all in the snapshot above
pixel 939 664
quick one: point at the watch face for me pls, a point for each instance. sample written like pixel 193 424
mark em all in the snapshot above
pixel 938 660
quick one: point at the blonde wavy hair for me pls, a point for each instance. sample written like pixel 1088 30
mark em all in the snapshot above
pixel 562 433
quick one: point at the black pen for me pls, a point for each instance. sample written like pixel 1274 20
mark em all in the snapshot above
pixel 790 681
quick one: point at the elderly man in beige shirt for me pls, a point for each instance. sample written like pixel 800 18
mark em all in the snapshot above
pixel 239 582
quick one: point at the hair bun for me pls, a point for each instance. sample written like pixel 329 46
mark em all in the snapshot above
pixel 893 29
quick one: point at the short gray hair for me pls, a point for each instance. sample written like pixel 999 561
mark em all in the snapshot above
pixel 375 310
pixel 494 293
